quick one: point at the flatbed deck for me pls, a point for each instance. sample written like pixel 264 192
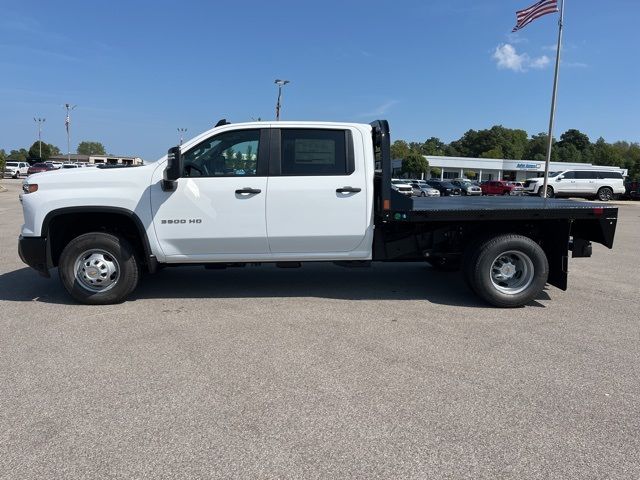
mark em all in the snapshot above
pixel 495 208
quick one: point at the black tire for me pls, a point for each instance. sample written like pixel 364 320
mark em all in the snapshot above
pixel 17 174
pixel 423 194
pixel 114 248
pixel 479 263
pixel 605 194
pixel 550 192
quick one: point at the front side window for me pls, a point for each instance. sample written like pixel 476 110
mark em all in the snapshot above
pixel 569 175
pixel 314 152
pixel 586 175
pixel 228 154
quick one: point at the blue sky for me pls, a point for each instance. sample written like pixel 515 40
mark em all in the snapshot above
pixel 139 70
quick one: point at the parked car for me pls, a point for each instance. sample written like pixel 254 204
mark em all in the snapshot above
pixel 401 186
pixel 632 190
pixel 601 184
pixel 55 165
pixel 424 190
pixel 39 167
pixel 445 188
pixel 70 165
pixel 15 169
pixel 467 187
pixel 501 187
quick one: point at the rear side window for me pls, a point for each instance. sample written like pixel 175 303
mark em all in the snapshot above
pixel 308 152
pixel 617 175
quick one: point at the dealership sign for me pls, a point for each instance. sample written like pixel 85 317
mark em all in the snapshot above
pixel 528 166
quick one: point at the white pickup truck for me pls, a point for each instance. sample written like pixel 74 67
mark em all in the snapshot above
pixel 286 193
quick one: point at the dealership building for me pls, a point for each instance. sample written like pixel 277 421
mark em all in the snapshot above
pixel 497 169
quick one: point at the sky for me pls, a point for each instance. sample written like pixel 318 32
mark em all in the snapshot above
pixel 138 70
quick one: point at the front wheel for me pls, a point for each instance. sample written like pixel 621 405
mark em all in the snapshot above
pixel 99 268
pixel 605 194
pixel 549 191
pixel 507 270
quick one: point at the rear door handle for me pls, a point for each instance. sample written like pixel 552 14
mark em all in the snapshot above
pixel 348 190
pixel 248 190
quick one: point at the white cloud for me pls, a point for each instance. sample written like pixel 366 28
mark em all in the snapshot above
pixel 508 58
pixel 540 62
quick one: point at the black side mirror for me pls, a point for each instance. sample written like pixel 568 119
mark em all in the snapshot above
pixel 173 170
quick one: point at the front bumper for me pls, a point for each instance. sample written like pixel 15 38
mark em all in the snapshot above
pixel 34 252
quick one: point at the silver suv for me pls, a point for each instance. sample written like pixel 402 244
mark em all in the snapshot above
pixel 601 184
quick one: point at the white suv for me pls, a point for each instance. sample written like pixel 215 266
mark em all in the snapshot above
pixel 15 169
pixel 601 184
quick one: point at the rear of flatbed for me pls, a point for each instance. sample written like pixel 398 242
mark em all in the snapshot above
pixel 453 233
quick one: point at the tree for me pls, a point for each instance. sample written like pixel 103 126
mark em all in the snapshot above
pixel 18 155
pixel 537 148
pixel 91 148
pixel 400 149
pixel 433 146
pixel 3 160
pixel 415 164
pixel 576 138
pixel 34 152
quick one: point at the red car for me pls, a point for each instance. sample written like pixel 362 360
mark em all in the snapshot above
pixel 501 187
pixel 39 167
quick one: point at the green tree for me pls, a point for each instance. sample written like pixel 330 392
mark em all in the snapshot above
pixel 34 152
pixel 537 148
pixel 576 138
pixel 400 149
pixel 3 160
pixel 509 143
pixel 435 172
pixel 415 164
pixel 433 146
pixel 91 148
pixel 18 155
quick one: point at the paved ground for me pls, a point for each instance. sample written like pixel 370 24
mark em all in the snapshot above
pixel 321 372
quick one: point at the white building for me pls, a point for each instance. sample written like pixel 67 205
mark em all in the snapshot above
pixel 97 159
pixel 498 169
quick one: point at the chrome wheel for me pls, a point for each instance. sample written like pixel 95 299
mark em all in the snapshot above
pixel 512 272
pixel 605 194
pixel 96 270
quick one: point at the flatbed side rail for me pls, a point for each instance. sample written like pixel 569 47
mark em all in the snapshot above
pixel 382 150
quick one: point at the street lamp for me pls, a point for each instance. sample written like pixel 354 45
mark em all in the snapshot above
pixel 39 121
pixel 181 132
pixel 280 84
pixel 67 124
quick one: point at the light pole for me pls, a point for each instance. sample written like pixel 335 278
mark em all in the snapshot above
pixel 181 132
pixel 39 121
pixel 280 84
pixel 67 124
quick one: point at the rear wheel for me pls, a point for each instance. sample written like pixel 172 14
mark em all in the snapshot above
pixel 99 268
pixel 605 194
pixel 506 271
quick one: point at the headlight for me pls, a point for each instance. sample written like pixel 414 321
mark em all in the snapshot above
pixel 29 187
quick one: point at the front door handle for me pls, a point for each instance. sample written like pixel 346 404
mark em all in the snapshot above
pixel 348 190
pixel 248 190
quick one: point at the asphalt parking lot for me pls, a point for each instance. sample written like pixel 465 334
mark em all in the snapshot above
pixel 396 371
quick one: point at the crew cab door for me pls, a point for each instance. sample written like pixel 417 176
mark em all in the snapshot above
pixel 217 210
pixel 317 194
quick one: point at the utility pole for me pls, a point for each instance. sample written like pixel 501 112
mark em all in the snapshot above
pixel 67 124
pixel 181 132
pixel 280 84
pixel 39 121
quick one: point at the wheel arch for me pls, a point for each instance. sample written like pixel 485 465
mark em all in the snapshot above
pixel 61 225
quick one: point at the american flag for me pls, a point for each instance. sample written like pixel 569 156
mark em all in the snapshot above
pixel 528 15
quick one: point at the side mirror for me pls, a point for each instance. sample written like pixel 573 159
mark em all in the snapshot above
pixel 173 170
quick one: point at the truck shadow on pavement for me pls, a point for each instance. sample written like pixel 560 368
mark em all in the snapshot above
pixel 407 281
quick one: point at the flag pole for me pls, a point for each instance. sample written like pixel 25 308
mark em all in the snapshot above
pixel 553 101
